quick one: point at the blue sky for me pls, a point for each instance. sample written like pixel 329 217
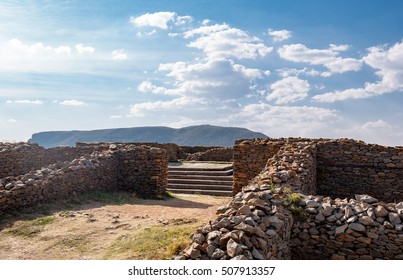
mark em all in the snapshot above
pixel 284 68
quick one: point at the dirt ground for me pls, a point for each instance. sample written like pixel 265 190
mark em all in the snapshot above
pixel 91 229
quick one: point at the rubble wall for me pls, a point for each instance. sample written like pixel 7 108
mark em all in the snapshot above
pixel 137 169
pixel 274 216
pixel 346 167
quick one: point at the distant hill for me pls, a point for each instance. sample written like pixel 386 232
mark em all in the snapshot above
pixel 201 135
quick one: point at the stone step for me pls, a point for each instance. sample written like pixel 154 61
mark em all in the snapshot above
pixel 226 178
pixel 205 179
pixel 175 168
pixel 186 172
pixel 203 192
pixel 199 186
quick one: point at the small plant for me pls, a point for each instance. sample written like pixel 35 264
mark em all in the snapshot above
pixel 270 185
pixel 298 213
pixel 31 228
pixel 294 198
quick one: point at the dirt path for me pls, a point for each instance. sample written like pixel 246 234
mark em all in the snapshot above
pixel 98 229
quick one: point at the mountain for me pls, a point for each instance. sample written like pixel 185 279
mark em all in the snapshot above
pixel 201 135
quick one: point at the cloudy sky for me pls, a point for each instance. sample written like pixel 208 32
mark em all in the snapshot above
pixel 284 68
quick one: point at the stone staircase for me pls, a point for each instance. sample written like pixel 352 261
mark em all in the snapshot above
pixel 207 180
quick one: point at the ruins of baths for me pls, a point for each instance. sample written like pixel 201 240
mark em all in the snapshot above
pixel 292 198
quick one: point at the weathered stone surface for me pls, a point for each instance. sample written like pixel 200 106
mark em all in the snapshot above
pixel 357 227
pixel 244 210
pixel 198 238
pixel 276 222
pixel 394 218
pixel 339 230
pixel 233 248
pixel 327 209
pixel 366 221
pixel 380 211
pixel 365 198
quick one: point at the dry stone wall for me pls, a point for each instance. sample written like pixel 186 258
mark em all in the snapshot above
pixel 20 158
pixel 345 165
pixel 275 216
pixel 175 152
pixel 143 171
pixel 138 169
pixel 250 157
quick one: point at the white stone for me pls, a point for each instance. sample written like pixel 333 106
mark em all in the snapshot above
pixel 365 198
pixel 327 209
pixel 348 212
pixel 380 211
pixel 367 221
pixel 394 218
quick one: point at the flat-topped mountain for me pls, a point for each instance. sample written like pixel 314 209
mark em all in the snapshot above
pixel 201 135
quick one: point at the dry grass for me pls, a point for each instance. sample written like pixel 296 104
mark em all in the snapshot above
pixel 105 225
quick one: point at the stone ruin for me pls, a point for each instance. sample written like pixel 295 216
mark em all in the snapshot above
pixel 285 203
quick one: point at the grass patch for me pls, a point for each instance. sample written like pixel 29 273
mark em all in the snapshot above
pixel 154 243
pixel 30 228
pixel 298 213
pixel 78 242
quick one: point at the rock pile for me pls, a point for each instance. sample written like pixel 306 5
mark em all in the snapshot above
pixel 361 228
pixel 272 218
pixel 254 225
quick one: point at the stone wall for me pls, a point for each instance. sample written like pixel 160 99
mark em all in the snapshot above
pixel 143 171
pixel 272 218
pixel 250 157
pixel 346 167
pixel 138 169
pixel 175 152
pixel 341 167
pixel 20 158
pixel 214 154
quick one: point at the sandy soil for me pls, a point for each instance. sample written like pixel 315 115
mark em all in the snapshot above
pixel 88 230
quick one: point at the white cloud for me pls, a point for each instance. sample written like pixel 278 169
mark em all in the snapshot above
pixel 290 89
pixel 378 131
pixel 160 19
pixel 12 120
pixel 25 101
pixel 63 50
pixel 221 79
pixel 119 55
pixel 287 72
pixel 18 56
pixel 115 117
pixel 340 48
pixel 279 35
pixel 329 58
pixel 181 20
pixel 222 41
pixel 285 121
pixel 141 109
pixel 73 102
pixel 147 86
pixel 352 93
pixel 81 49
pixel 388 62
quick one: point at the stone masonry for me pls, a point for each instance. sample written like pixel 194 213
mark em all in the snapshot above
pixel 277 216
pixel 138 169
